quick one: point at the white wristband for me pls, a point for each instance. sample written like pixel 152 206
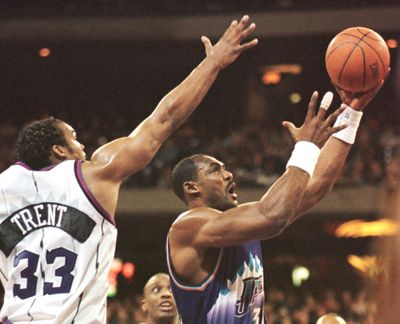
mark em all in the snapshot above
pixel 351 118
pixel 304 156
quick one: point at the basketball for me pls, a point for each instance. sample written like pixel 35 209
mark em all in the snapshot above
pixel 357 59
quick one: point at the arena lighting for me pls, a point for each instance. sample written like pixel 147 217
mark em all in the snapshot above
pixel 294 69
pixel 271 77
pixel 295 98
pixel 44 52
pixel 368 265
pixel 272 74
pixel 361 228
pixel 118 266
pixel 128 270
pixel 300 274
pixel 391 43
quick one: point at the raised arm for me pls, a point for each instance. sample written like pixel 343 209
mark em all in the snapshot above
pixel 334 153
pixel 126 156
pixel 205 227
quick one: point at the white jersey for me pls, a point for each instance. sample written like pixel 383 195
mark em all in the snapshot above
pixel 56 246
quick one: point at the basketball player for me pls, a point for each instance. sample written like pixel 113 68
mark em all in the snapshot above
pixel 57 227
pixel 213 249
pixel 158 302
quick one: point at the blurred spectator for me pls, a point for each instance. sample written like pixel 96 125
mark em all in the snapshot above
pixel 158 302
pixel 331 318
pixel 257 154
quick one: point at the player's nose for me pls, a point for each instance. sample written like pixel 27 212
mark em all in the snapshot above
pixel 228 175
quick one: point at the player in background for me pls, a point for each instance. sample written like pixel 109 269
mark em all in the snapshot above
pixel 213 249
pixel 158 302
pixel 57 226
pixel 331 318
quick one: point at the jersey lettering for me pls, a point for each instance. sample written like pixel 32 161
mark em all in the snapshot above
pixel 28 219
pixel 28 284
pixel 251 288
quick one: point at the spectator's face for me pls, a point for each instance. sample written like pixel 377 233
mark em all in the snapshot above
pixel 158 301
pixel 215 184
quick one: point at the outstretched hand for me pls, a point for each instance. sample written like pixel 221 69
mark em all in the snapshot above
pixel 316 128
pixel 229 46
pixel 358 101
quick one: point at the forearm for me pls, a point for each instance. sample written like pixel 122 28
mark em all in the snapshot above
pixel 327 171
pixel 174 109
pixel 282 199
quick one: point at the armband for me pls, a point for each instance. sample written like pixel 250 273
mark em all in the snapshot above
pixel 304 156
pixel 351 118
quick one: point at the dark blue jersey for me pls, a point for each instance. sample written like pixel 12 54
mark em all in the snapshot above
pixel 232 293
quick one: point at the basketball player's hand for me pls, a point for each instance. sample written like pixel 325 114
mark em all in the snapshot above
pixel 316 127
pixel 230 46
pixel 358 101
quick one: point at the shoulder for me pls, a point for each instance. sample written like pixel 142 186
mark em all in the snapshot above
pixel 195 215
pixel 190 222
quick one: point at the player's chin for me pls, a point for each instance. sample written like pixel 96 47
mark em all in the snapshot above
pixel 232 202
pixel 165 314
pixel 235 203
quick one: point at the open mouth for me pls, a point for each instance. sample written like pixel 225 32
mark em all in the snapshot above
pixel 231 190
pixel 166 306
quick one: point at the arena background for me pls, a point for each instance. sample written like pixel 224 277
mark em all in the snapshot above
pixel 104 65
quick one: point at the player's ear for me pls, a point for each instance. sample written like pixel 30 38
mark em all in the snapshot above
pixel 59 152
pixel 143 306
pixel 191 188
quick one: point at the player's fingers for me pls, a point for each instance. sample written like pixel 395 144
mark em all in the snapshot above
pixel 245 33
pixel 246 46
pixel 332 117
pixel 325 104
pixel 377 89
pixel 311 106
pixel 207 43
pixel 387 74
pixel 326 100
pixel 289 125
pixel 338 128
pixel 231 28
pixel 243 22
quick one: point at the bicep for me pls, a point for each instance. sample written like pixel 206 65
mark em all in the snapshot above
pixel 235 226
pixel 128 155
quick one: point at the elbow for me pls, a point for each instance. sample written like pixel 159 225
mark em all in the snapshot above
pixel 321 190
pixel 276 221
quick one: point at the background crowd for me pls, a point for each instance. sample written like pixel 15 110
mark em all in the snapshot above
pixel 256 153
pixel 283 306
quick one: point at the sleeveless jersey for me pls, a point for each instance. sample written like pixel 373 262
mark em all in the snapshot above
pixel 232 294
pixel 56 246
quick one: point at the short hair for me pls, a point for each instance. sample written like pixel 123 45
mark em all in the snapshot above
pixel 184 170
pixel 35 141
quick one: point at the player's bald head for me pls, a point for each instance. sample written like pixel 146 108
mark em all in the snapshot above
pixel 331 318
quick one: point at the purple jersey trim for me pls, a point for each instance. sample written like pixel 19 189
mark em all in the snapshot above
pixel 92 199
pixel 20 163
pixel 203 285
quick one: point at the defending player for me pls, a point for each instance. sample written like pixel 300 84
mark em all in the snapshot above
pixel 213 250
pixel 57 227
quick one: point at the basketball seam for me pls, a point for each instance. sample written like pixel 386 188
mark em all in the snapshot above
pixel 364 41
pixel 356 45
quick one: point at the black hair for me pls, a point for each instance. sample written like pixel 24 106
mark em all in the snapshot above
pixel 184 170
pixel 35 142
